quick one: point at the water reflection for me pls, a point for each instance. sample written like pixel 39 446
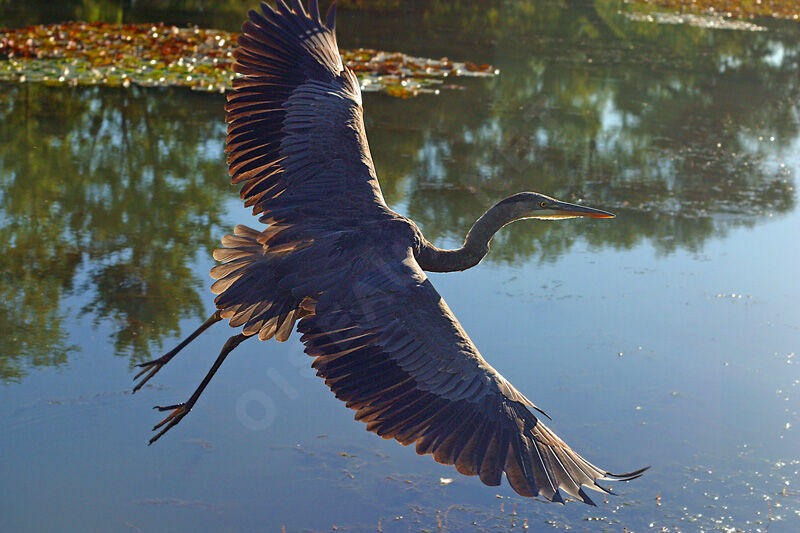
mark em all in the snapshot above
pixel 110 194
pixel 672 126
pixel 110 202
pixel 107 194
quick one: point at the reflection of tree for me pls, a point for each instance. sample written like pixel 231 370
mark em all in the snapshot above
pixel 106 193
pixel 660 123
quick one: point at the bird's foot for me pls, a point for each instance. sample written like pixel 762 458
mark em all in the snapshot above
pixel 150 369
pixel 178 412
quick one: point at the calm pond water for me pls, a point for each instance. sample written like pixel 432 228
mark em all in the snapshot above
pixel 667 336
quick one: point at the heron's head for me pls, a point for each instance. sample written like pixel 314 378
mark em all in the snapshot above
pixel 535 205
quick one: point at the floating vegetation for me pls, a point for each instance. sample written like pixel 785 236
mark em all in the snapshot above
pixel 717 22
pixel 80 53
pixel 401 75
pixel 788 9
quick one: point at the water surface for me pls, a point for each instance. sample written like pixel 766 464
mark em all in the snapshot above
pixel 666 336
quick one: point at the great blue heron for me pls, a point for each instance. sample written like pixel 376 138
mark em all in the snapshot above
pixel 351 272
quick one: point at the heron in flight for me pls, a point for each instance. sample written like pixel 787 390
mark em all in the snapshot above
pixel 350 272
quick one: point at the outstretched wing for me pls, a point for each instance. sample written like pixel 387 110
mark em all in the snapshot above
pixel 388 345
pixel 384 340
pixel 296 139
pixel 296 143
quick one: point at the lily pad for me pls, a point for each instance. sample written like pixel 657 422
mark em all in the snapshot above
pixel 80 53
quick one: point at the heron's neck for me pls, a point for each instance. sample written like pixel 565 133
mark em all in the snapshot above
pixel 476 245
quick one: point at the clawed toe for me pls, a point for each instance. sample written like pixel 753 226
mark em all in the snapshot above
pixel 150 369
pixel 169 407
pixel 178 412
pixel 182 409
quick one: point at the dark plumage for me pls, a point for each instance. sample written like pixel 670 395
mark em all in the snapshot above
pixel 349 271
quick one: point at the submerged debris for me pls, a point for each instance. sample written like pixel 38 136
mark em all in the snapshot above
pixel 81 53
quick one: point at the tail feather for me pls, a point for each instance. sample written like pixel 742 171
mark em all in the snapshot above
pixel 248 287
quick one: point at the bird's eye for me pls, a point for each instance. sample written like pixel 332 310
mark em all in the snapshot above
pixel 542 204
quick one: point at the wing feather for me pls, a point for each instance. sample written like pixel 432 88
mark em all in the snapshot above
pixel 295 128
pixel 388 345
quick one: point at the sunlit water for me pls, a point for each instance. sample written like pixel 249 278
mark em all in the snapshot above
pixel 667 336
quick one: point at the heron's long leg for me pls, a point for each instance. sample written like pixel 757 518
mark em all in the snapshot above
pixel 182 409
pixel 152 367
